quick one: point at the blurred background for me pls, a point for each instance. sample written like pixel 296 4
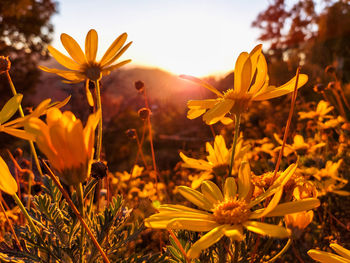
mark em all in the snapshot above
pixel 198 38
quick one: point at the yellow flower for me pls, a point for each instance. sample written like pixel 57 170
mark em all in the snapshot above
pixel 84 66
pixel 251 83
pixel 218 160
pixel 321 112
pixel 68 146
pixel 7 183
pixel 13 127
pixel 326 257
pixel 297 222
pixel 299 145
pixel 227 212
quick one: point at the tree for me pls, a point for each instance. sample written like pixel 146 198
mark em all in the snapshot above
pixel 25 31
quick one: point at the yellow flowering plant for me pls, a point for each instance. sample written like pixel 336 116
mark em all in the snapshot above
pixel 228 212
pixel 342 256
pixel 251 83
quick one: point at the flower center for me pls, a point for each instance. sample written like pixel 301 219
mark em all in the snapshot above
pixel 242 100
pixel 231 212
pixel 93 72
pixel 220 169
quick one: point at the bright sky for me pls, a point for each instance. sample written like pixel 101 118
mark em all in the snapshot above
pixel 193 37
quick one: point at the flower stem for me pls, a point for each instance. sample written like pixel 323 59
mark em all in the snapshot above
pixel 284 250
pixel 235 137
pixel 179 245
pixel 76 212
pixel 99 129
pixel 31 144
pixel 79 189
pixel 235 258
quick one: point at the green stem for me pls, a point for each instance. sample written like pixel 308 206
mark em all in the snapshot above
pixel 31 144
pixel 235 137
pixel 80 194
pixel 99 129
pixel 284 250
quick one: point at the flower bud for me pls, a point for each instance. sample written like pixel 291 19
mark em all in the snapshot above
pixel 99 170
pixel 144 113
pixel 139 85
pixel 131 133
pixel 5 64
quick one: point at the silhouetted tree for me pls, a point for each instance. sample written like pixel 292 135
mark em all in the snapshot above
pixel 25 31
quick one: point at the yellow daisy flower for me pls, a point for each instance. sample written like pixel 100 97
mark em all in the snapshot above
pixel 228 212
pixel 322 109
pixel 7 183
pixel 326 257
pixel 13 127
pixel 84 66
pixel 66 143
pixel 251 83
pixel 218 159
pixel 297 222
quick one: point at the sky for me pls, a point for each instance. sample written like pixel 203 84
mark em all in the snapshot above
pixel 193 37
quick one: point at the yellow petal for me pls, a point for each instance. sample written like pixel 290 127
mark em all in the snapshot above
pixel 88 94
pixel 273 92
pixel 234 232
pixel 238 71
pixel 230 188
pixel 254 58
pixel 211 192
pixel 108 70
pixel 261 75
pixel 60 104
pixel 326 257
pixel 157 223
pixel 226 120
pixel 113 49
pixel 220 149
pixel 119 54
pixel 246 76
pixel 206 241
pixel 266 229
pixel 63 59
pixel 216 113
pixel 89 132
pixel 73 49
pixel 195 197
pixel 194 163
pixel 73 77
pixel 212 156
pixel 181 208
pixel 192 224
pixel 19 133
pixel 76 144
pixel 201 104
pixel 340 250
pixel 194 113
pixel 244 180
pixel 203 84
pixel 294 207
pixel 7 183
pixel 91 43
pixel 10 108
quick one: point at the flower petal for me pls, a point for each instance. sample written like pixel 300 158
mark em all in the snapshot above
pixel 195 113
pixel 211 191
pixel 181 208
pixel 8 184
pixel 10 108
pixel 203 84
pixel 89 97
pixel 91 44
pixel 63 59
pixel 113 49
pixel 192 224
pixel 108 70
pixel 234 232
pixel 340 250
pixel 266 229
pixel 230 188
pixel 19 133
pixel 218 111
pixel 195 197
pixel 294 207
pixel 119 54
pixel 326 257
pixel 244 180
pixel 246 76
pixel 194 163
pixel 273 92
pixel 206 241
pixel 201 104
pixel 261 75
pixel 73 49
pixel 238 71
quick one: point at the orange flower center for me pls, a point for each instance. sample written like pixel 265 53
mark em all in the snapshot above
pixel 242 100
pixel 231 212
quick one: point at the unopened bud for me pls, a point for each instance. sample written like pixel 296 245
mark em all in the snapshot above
pixel 5 64
pixel 331 85
pixel 131 133
pixel 330 70
pixel 139 85
pixel 144 113
pixel 319 88
pixel 99 170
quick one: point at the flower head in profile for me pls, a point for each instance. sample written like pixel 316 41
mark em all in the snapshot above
pixel 342 256
pixel 251 83
pixel 321 112
pixel 83 66
pixel 15 127
pixel 7 183
pixel 228 212
pixel 66 143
